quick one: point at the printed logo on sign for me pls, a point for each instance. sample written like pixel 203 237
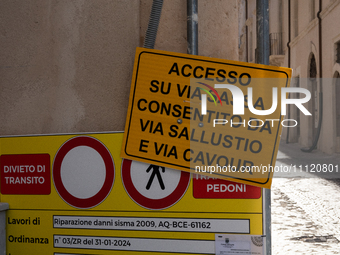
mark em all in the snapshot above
pixel 155 171
pixel 204 104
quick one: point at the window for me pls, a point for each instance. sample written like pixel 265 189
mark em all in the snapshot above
pixel 297 96
pixel 337 52
pixel 337 103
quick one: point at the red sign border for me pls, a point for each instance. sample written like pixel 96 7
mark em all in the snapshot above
pixel 109 166
pixel 148 203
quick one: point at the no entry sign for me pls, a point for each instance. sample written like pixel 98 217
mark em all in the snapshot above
pixel 83 172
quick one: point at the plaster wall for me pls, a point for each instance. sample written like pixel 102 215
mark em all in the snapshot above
pixel 66 66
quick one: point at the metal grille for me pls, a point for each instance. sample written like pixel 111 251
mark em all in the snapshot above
pixel 337 53
pixel 312 68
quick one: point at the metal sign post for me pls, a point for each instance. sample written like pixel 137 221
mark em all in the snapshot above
pixel 192 27
pixel 262 54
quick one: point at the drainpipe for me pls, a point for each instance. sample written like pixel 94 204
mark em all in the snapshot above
pixel 316 138
pixel 262 44
pixel 262 27
pixel 246 7
pixel 289 31
pixel 288 46
pixel 192 27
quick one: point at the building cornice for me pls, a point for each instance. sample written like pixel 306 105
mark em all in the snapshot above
pixel 315 22
pixel 310 26
pixel 329 8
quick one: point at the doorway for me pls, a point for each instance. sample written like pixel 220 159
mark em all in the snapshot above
pixel 337 109
pixel 314 100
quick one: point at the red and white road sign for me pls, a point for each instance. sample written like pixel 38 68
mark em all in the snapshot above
pixel 83 172
pixel 153 187
pixel 210 187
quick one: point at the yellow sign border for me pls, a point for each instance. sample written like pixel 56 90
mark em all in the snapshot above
pixel 139 53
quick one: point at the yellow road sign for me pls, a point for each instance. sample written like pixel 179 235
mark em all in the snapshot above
pixel 73 194
pixel 170 123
